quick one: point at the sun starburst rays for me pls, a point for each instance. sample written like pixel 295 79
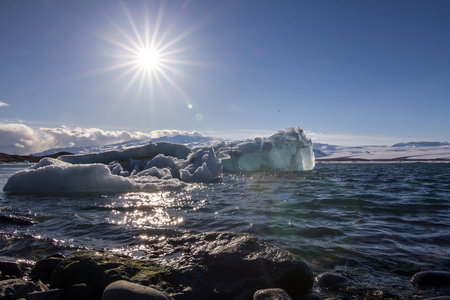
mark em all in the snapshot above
pixel 146 55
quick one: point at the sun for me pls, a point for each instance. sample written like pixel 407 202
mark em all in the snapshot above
pixel 149 59
pixel 148 52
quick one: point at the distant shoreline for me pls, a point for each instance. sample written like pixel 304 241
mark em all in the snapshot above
pixel 392 160
pixel 8 158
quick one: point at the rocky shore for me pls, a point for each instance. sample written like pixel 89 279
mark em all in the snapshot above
pixel 216 265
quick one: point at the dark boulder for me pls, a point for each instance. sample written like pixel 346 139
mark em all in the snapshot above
pixel 331 281
pixel 219 265
pixel 10 268
pixel 45 267
pixel 12 289
pixel 78 291
pixel 56 294
pixel 97 269
pixel 431 279
pixel 226 265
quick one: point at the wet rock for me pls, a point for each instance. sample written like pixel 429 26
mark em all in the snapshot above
pixel 78 291
pixel 439 298
pixel 56 294
pixel 16 220
pixel 331 281
pixel 10 268
pixel 271 294
pixel 231 265
pixel 122 289
pixel 310 297
pixel 45 267
pixel 430 279
pixel 280 294
pixel 218 265
pixel 16 288
pixel 97 269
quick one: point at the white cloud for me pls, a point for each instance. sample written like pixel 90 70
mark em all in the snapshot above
pixel 3 104
pixel 18 139
pixel 21 139
pixel 82 137
pixel 85 137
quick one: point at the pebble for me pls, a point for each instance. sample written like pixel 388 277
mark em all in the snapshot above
pixel 122 289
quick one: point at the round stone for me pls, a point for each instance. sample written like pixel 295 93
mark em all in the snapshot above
pixel 122 289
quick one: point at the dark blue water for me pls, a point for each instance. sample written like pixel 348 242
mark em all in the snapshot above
pixel 377 224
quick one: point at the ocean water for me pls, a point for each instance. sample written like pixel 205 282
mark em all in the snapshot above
pixel 376 224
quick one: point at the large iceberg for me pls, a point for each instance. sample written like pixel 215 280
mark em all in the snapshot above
pixel 55 176
pixel 82 174
pixel 164 165
pixel 287 150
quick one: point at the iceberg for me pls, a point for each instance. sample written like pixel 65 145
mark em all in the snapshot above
pixel 54 176
pixel 288 150
pixel 137 153
pixel 164 165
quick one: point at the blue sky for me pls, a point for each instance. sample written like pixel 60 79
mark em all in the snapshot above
pixel 348 72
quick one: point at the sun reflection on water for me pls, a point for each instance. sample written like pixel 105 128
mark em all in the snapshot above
pixel 153 216
pixel 150 210
pixel 145 210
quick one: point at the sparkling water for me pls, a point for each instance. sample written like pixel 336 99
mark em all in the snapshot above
pixel 377 224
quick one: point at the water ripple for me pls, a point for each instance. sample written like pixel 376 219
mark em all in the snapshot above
pixel 375 222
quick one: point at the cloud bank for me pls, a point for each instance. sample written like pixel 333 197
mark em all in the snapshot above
pixel 21 139
pixel 3 104
pixel 18 139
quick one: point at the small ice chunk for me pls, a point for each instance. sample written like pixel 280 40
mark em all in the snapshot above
pixel 203 165
pixel 162 173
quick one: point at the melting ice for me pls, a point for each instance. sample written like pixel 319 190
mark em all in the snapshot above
pixel 164 165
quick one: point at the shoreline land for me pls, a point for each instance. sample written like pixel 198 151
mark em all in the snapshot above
pixel 11 158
